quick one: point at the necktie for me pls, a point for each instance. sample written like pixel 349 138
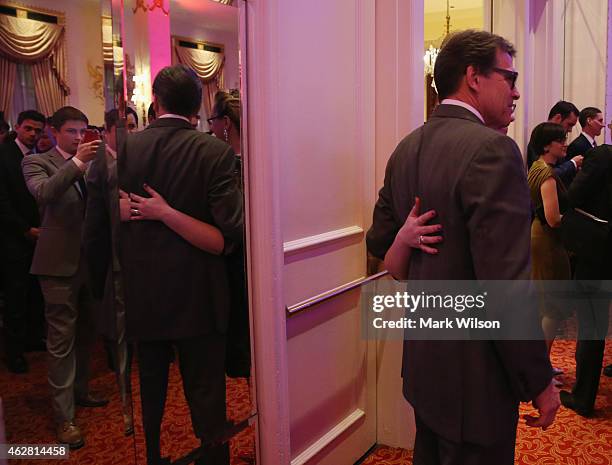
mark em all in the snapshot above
pixel 594 144
pixel 83 188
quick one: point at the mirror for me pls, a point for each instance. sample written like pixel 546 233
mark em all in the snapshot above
pixel 65 390
pixel 185 341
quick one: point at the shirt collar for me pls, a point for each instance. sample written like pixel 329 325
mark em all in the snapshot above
pixel 24 149
pixel 63 153
pixel 172 115
pixel 467 106
pixel 589 138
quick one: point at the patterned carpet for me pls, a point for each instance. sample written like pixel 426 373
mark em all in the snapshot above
pixel 29 420
pixel 572 440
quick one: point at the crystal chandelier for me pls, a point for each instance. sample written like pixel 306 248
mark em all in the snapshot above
pixel 432 52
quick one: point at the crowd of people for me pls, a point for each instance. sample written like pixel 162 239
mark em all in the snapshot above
pixel 135 236
pixel 496 221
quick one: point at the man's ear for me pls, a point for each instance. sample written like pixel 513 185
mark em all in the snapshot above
pixel 472 77
pixel 556 119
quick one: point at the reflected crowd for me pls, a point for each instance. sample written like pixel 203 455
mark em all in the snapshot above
pixel 133 240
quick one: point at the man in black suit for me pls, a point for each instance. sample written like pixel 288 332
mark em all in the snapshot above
pixel 565 114
pixel 176 289
pixel 474 178
pixel 591 191
pixel 592 122
pixel 19 230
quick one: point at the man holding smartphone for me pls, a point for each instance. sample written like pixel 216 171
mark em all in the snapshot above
pixel 56 180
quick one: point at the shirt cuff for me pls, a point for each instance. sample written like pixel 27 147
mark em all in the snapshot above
pixel 575 164
pixel 82 166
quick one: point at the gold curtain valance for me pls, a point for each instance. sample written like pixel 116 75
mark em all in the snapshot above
pixel 225 2
pixel 26 40
pixel 206 64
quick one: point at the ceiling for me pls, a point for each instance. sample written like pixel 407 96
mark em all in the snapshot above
pixel 435 6
pixel 206 13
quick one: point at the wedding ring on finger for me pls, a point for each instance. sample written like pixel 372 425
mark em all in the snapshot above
pixel 420 240
pixel 135 211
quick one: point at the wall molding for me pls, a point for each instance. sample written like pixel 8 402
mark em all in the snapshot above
pixel 318 240
pixel 328 437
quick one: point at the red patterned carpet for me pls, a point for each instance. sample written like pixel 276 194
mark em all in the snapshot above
pixel 29 420
pixel 572 440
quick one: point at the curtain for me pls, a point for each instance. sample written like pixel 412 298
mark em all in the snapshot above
pixel 209 68
pixel 8 70
pixel 49 94
pixel 42 46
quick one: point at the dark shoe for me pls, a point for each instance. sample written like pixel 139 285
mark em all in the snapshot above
pixel 90 401
pixel 608 371
pixel 557 371
pixel 17 365
pixel 69 433
pixel 568 401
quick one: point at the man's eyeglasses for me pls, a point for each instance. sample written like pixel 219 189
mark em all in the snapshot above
pixel 510 76
pixel 212 118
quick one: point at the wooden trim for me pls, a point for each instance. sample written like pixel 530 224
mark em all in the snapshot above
pixel 318 240
pixel 328 438
pixel 61 17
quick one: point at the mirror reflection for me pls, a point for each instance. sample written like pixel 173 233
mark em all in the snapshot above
pixel 81 367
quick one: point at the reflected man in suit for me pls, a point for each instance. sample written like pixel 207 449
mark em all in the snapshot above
pixel 175 279
pixel 19 230
pixel 56 180
pixel 474 178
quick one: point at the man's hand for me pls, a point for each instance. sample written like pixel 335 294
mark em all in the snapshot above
pixel 547 404
pixel 32 234
pixel 578 160
pixel 87 151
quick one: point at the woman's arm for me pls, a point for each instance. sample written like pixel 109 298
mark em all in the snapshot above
pixel 411 235
pixel 199 234
pixel 551 202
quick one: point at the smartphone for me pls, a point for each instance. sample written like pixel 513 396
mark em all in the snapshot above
pixel 90 135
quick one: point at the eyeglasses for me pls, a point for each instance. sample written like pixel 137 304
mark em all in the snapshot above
pixel 212 118
pixel 510 76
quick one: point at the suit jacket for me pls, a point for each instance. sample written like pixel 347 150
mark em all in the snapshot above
pixel 592 191
pixel 174 290
pixel 101 238
pixel 579 146
pixel 52 181
pixel 475 179
pixel 18 209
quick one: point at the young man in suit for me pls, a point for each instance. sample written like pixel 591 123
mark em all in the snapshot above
pixel 474 178
pixel 176 288
pixel 56 180
pixel 592 122
pixel 19 230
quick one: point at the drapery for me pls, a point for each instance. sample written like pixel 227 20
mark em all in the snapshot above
pixel 8 70
pixel 42 46
pixel 209 68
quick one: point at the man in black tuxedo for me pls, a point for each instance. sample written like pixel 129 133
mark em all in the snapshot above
pixel 566 114
pixel 474 178
pixel 176 289
pixel 19 230
pixel 591 191
pixel 592 122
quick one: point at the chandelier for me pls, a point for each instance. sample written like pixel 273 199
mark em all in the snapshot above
pixel 432 52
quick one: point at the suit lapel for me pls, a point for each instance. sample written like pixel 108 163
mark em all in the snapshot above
pixel 58 161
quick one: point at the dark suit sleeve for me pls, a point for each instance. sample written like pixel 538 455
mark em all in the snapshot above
pixel 566 172
pixel 496 202
pixel 10 220
pixel 225 200
pixel 96 228
pixel 44 188
pixel 385 226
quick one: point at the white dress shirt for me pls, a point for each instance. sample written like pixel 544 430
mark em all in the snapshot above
pixel 467 106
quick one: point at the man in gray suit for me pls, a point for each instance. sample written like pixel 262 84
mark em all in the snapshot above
pixel 473 177
pixel 56 180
